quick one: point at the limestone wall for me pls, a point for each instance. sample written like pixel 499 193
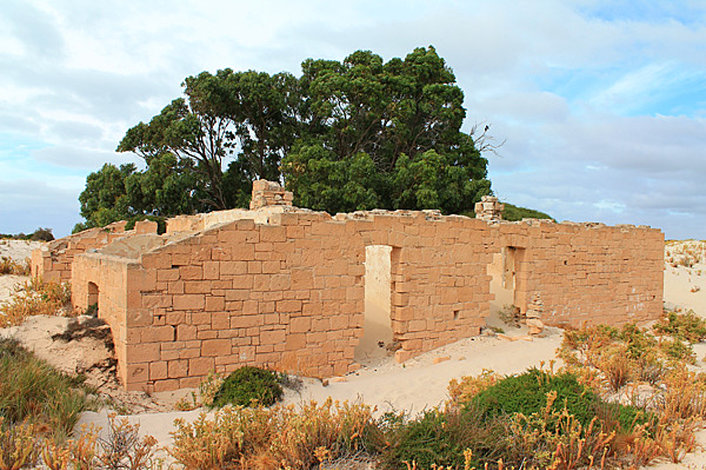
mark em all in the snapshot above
pixel 108 275
pixel 52 262
pixel 289 294
pixel 285 288
pixel 587 273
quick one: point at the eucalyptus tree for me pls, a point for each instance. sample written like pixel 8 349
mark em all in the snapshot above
pixel 346 135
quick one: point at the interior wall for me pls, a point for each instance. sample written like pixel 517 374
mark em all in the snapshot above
pixel 502 285
pixel 377 325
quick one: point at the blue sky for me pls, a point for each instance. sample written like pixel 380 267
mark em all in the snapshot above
pixel 602 103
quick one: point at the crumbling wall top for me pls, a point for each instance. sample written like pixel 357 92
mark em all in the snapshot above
pixel 489 208
pixel 269 193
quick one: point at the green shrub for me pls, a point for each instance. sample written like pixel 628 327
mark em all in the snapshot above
pixel 249 384
pixel 684 326
pixel 32 391
pixel 527 394
pixel 440 438
pixel 42 234
pixel 679 351
pixel 515 213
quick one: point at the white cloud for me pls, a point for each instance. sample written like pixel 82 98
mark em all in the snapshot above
pixel 569 87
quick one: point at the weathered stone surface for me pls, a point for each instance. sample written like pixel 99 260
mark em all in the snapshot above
pixel 284 288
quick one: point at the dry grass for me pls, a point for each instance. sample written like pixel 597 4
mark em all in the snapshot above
pixel 685 253
pixel 461 391
pixel 279 437
pixel 36 297
pixel 10 266
pixel 122 449
pixel 634 357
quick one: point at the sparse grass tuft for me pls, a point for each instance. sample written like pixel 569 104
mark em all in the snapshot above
pixel 35 297
pixel 510 315
pixel 10 266
pixel 279 437
pixel 33 392
pixel 683 326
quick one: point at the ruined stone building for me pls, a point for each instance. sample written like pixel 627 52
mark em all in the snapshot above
pixel 305 292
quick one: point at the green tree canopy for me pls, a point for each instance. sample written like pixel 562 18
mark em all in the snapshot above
pixel 344 136
pixel 385 135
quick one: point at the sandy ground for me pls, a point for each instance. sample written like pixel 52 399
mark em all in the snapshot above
pixel 685 276
pixel 18 250
pixel 685 289
pixel 421 383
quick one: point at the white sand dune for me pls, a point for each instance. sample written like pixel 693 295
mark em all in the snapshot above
pixel 18 250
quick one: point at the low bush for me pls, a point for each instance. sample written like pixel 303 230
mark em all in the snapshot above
pixel 442 439
pixel 620 356
pixel 33 392
pixel 461 391
pixel 17 445
pixel 42 234
pixel 555 439
pixel 683 326
pixel 516 213
pixel 279 437
pixel 10 266
pixel 122 448
pixel 247 385
pixel 35 297
pixel 527 393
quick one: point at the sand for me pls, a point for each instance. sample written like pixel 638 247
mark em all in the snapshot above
pixel 685 285
pixel 421 383
pixel 18 250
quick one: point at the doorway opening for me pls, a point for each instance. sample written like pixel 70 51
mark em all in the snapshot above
pixel 92 301
pixel 377 325
pixel 505 308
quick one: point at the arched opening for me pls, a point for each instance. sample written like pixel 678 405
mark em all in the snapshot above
pixel 377 326
pixel 92 303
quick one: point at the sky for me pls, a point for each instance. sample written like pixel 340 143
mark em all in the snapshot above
pixel 601 104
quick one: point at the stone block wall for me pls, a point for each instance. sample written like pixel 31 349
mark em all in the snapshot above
pixel 588 273
pixel 53 261
pixel 102 280
pixel 284 288
pixel 288 295
pixel 268 193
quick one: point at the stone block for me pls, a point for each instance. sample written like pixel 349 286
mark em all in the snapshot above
pixel 191 273
pixel 215 303
pixel 139 353
pixel 288 306
pixel 201 366
pixel 158 370
pixel 157 334
pixel 185 332
pixel 177 368
pixel 211 270
pixel 168 385
pixel 189 302
pixel 272 337
pixel 300 324
pixel 233 267
pixel 216 347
